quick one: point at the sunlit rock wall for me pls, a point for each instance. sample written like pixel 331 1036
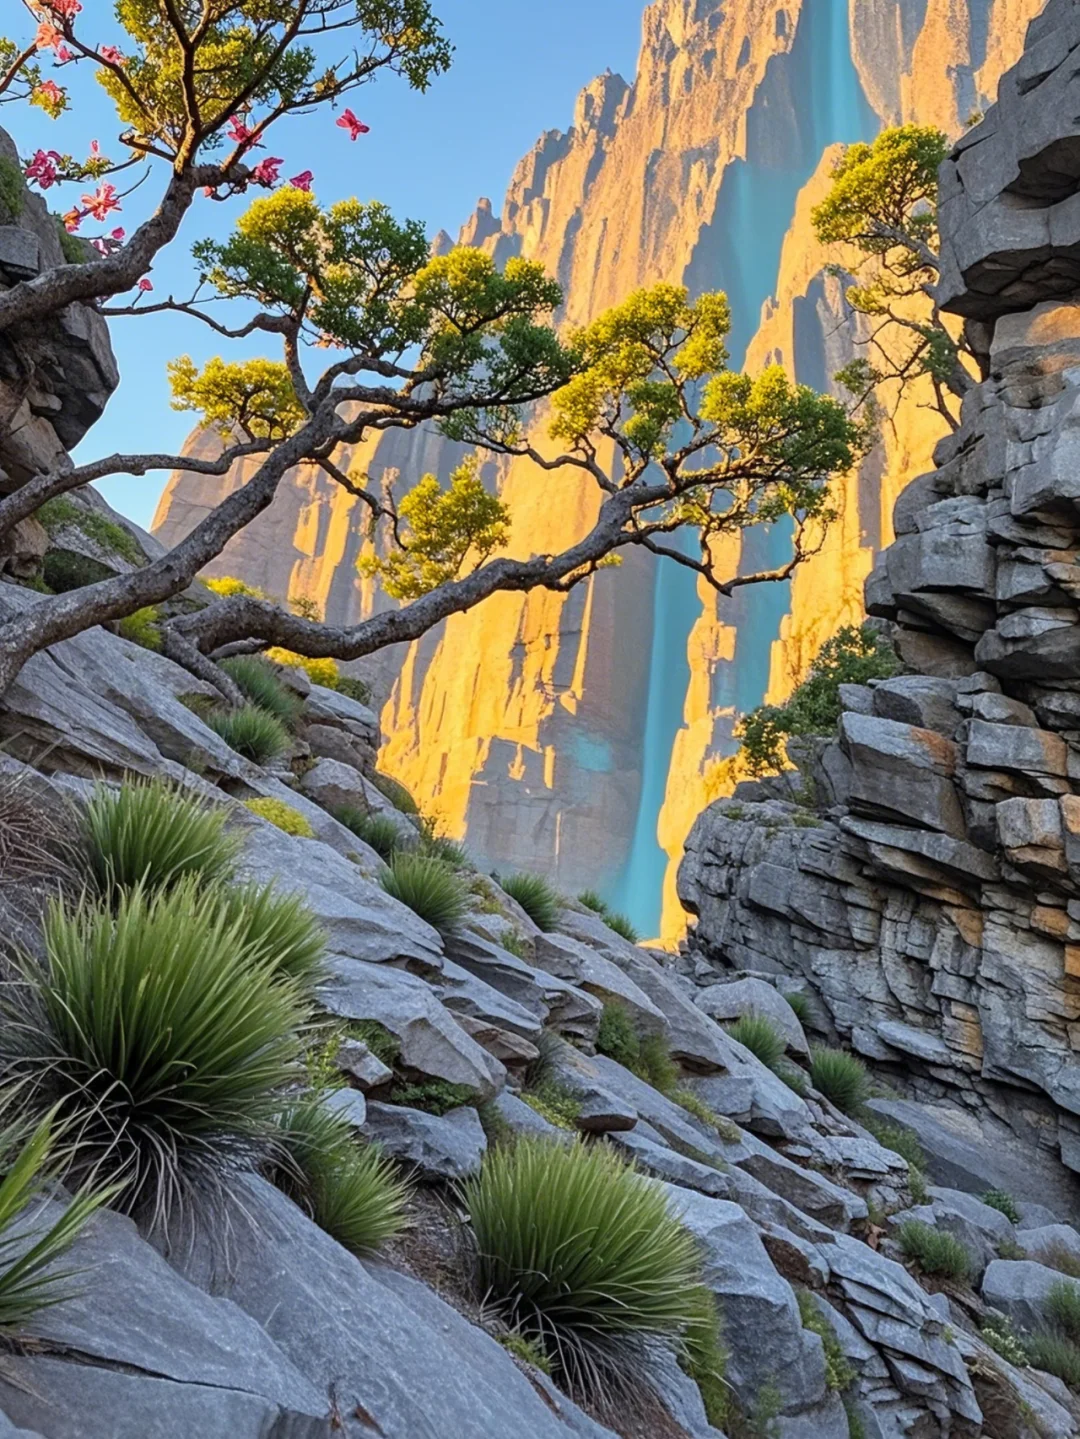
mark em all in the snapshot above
pixel 569 734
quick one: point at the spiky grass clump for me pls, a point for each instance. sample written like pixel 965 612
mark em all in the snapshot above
pixel 349 1190
pixel 275 928
pixel 161 1038
pixel 840 1077
pixel 377 830
pixel 616 1036
pixel 705 1358
pixel 622 926
pixel 934 1250
pixel 441 846
pixel 1003 1202
pixel 800 1005
pixel 430 888
pixel 1055 1354
pixel 251 732
pixel 281 815
pixel 150 832
pixel 393 790
pixel 30 1160
pixel 897 1137
pixel 591 900
pixel 537 898
pixel 1063 1307
pixel 38 849
pixel 142 628
pixel 258 681
pixel 760 1036
pixel 582 1256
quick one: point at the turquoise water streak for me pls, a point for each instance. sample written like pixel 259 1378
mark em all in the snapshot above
pixel 740 254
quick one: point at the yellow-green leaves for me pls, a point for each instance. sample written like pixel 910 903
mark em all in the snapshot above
pixel 440 531
pixel 891 184
pixel 253 396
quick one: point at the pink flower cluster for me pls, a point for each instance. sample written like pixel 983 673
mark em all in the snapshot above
pixel 348 121
pixel 42 168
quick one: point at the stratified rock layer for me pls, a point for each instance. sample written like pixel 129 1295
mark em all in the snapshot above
pixel 933 902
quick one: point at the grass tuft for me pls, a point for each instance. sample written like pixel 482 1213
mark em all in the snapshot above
pixel 839 1374
pixel 377 830
pixel 277 928
pixel 1003 1202
pixel 537 898
pixel 259 682
pixel 800 1005
pixel 934 1250
pixel 349 1190
pixel 536 1211
pixel 616 1036
pixel 152 833
pixel 430 888
pixel 1063 1307
pixel 251 732
pixel 282 815
pixel 760 1036
pixel 435 1096
pixel 393 790
pixel 142 628
pixel 840 1077
pixel 1054 1354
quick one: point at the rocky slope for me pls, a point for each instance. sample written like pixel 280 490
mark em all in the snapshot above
pixel 931 899
pixel 560 733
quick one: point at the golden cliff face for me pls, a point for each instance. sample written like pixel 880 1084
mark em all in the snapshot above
pixel 529 724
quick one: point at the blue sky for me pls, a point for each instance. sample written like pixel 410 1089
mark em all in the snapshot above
pixel 518 68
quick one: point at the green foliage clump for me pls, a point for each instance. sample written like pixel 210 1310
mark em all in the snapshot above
pixel 377 830
pixel 838 1371
pixel 553 1102
pixel 441 532
pixel 618 922
pixel 352 688
pixel 1055 1256
pixel 385 1046
pixel 525 1349
pixel 727 1129
pixel 57 513
pixel 840 1077
pixel 617 1037
pixel 258 682
pixel 537 898
pixel 1063 1307
pixel 760 1036
pixel 76 251
pixel 349 1190
pixel 429 887
pixel 435 1096
pixel 897 1137
pixel 852 656
pixel 537 1211
pixel 151 832
pixel 142 628
pixel 1055 1354
pixel 12 190
pixel 441 846
pixel 934 1250
pixel 1003 1202
pixel 393 790
pixel 281 815
pixel 704 1357
pixel 801 1005
pixel 591 900
pixel 998 1332
pixel 655 1064
pixel 274 928
pixel 159 1036
pixel 251 732
pixel 31 1161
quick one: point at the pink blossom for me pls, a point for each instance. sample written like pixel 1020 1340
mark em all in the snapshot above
pixel 102 201
pixel 42 168
pixel 348 121
pixel 302 181
pixel 118 234
pixel 145 285
pixel 72 220
pixel 239 132
pixel 66 9
pixel 95 150
pixel 266 171
pixel 63 54
pixel 48 37
pixel 110 54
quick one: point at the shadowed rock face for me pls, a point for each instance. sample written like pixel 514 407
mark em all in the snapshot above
pixel 934 902
pixel 527 725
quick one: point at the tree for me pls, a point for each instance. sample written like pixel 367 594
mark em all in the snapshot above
pixel 450 341
pixel 883 206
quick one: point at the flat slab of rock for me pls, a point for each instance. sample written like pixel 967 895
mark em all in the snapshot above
pixel 440 1146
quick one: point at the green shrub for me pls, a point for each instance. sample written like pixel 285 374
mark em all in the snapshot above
pixel 393 790
pixel 917 1184
pixel 1009 1249
pixel 258 681
pixel 727 1129
pixel 934 1250
pixel 377 830
pixel 553 1102
pixel 1057 1256
pixel 591 900
pixel 353 689
pixel 441 846
pixel 801 1006
pixel 430 888
pixel 159 1036
pixel 1003 1202
pixel 525 1349
pixel 838 1372
pixel 435 1096
pixel 621 925
pixel 794 1078
pixel 386 1047
pixel 760 1036
pixel 655 1064
pixel 617 1037
pixel 705 1359
pixel 1063 1307
pixel 281 815
pixel 852 656
pixel 897 1137
pixel 151 832
pixel 840 1077
pixel 76 250
pixel 142 628
pixel 275 928
pixel 1055 1354
pixel 12 190
pixel 537 1211
pixel 57 514
pixel 228 586
pixel 31 1161
pixel 349 1190
pixel 536 897
pixel 251 732
pixel 997 1331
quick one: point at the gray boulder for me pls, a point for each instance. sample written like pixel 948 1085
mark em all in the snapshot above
pixel 440 1147
pixel 1019 1288
pixel 754 996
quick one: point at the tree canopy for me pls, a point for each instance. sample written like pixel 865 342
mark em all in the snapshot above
pixel 368 331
